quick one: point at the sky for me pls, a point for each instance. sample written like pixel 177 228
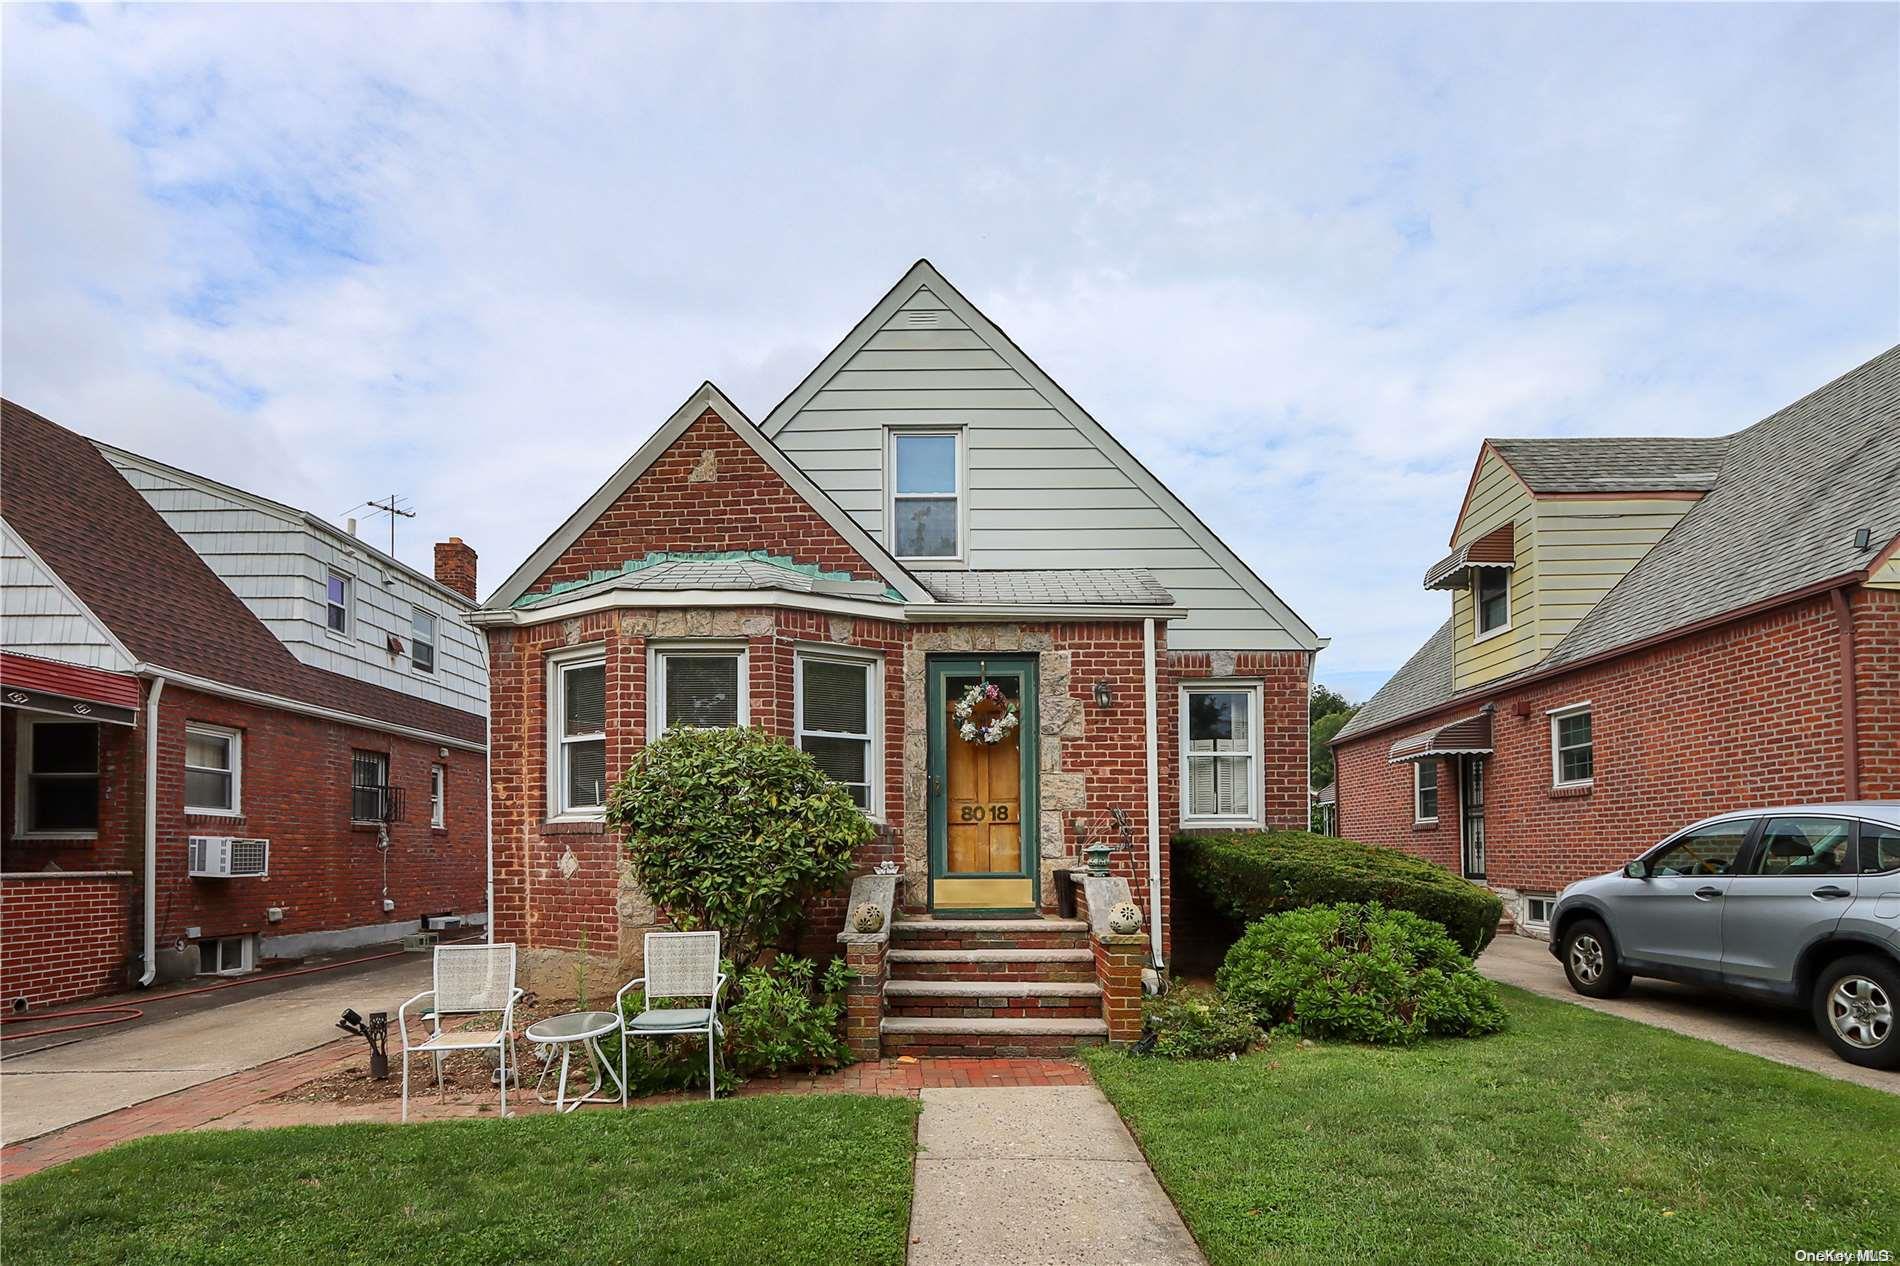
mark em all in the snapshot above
pixel 1300 259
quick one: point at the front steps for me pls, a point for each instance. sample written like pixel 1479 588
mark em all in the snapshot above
pixel 992 988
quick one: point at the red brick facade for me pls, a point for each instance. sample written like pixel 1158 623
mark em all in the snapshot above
pixel 1749 713
pixel 62 937
pixel 326 874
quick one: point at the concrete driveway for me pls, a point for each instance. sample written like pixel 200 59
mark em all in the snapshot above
pixel 1785 1036
pixel 182 1042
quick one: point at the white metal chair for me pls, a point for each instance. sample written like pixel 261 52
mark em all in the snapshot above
pixel 680 966
pixel 470 980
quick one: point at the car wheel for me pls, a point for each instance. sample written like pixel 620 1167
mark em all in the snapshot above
pixel 1856 1003
pixel 1590 961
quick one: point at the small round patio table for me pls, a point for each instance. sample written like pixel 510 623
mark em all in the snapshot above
pixel 583 1029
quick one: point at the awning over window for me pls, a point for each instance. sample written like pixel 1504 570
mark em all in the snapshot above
pixel 1493 549
pixel 90 694
pixel 1467 736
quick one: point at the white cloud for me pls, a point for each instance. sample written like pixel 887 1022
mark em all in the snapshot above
pixel 1299 259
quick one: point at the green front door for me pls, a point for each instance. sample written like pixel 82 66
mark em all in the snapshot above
pixel 983 819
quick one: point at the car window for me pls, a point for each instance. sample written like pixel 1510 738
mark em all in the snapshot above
pixel 1879 848
pixel 1707 850
pixel 1806 846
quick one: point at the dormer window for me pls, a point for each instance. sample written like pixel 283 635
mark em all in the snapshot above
pixel 926 503
pixel 1491 596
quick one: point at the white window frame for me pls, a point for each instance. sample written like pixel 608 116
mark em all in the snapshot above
pixel 1478 632
pixel 416 614
pixel 1418 792
pixel 1556 754
pixel 1530 902
pixel 558 664
pixel 247 955
pixel 874 714
pixel 438 796
pixel 23 773
pixel 1257 780
pixel 962 495
pixel 236 740
pixel 348 604
pixel 657 655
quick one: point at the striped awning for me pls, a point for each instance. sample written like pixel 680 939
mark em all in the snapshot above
pixel 1467 736
pixel 1493 549
pixel 74 690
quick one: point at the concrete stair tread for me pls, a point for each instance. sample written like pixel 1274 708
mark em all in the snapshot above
pixel 926 926
pixel 992 988
pixel 991 956
pixel 911 1026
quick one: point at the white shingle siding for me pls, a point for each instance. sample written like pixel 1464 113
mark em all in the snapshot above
pixel 39 617
pixel 1040 493
pixel 279 565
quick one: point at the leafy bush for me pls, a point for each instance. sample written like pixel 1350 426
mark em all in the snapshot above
pixel 1360 972
pixel 785 1019
pixel 735 830
pixel 1194 1024
pixel 1256 874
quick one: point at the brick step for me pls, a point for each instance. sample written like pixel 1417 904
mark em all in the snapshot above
pixel 1015 965
pixel 933 933
pixel 993 1000
pixel 911 1035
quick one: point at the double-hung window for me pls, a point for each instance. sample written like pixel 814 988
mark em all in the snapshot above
pixel 1572 747
pixel 1220 752
pixel 926 505
pixel 1491 596
pixel 1425 791
pixel 59 777
pixel 578 711
pixel 837 721
pixel 697 687
pixel 213 769
pixel 438 795
pixel 336 609
pixel 422 641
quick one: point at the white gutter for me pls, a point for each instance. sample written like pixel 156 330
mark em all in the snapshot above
pixel 1154 794
pixel 207 686
pixel 954 612
pixel 151 831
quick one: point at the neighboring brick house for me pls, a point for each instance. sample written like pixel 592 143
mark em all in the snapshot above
pixel 925 513
pixel 319 730
pixel 1646 632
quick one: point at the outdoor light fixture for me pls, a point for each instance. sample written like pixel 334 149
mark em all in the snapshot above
pixel 1103 695
pixel 375 1031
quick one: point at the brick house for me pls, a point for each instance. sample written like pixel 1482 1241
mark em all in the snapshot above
pixel 231 732
pixel 1645 632
pixel 927 512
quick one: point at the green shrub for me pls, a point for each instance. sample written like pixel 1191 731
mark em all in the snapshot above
pixel 1248 876
pixel 784 1018
pixel 1194 1024
pixel 1360 972
pixel 735 830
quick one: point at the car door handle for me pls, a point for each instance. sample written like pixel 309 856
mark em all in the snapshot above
pixel 1829 892
pixel 1708 892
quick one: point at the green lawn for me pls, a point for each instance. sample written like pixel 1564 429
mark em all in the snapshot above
pixel 775 1179
pixel 1572 1136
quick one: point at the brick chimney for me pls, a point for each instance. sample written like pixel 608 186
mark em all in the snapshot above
pixel 455 566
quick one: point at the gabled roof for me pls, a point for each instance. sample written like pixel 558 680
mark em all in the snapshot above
pixel 1087 586
pixel 154 593
pixel 707 397
pixel 924 275
pixel 1780 520
pixel 1634 464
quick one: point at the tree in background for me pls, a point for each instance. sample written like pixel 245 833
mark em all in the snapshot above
pixel 1327 713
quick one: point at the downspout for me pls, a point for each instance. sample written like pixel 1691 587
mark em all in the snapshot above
pixel 1850 711
pixel 488 778
pixel 151 831
pixel 1154 796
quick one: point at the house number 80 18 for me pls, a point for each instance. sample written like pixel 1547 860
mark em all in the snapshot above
pixel 983 813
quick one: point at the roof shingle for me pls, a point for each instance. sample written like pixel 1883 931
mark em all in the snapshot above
pixel 1086 586
pixel 1616 463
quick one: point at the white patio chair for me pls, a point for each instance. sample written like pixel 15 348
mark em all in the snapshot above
pixel 680 966
pixel 470 980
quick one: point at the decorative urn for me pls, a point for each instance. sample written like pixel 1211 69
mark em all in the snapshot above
pixel 1096 855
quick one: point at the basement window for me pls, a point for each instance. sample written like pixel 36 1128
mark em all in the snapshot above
pixel 1537 910
pixel 226 956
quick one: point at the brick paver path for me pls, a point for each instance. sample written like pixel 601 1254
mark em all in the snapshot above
pixel 249 1100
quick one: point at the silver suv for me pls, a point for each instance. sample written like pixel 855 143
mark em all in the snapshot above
pixel 1800 905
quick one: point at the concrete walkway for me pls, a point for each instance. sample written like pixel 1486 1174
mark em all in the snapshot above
pixel 1022 1177
pixel 1785 1036
pixel 184 1042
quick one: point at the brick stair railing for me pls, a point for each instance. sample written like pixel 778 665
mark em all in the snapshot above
pixel 991 987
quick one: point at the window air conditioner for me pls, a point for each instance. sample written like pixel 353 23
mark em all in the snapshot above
pixel 229 857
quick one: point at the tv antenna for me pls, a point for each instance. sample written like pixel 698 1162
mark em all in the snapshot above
pixel 395 509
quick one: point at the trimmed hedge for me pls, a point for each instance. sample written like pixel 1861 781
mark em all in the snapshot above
pixel 1248 876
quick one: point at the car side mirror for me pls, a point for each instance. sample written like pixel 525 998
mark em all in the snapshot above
pixel 1636 870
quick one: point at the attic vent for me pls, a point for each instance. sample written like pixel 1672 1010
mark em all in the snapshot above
pixel 921 319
